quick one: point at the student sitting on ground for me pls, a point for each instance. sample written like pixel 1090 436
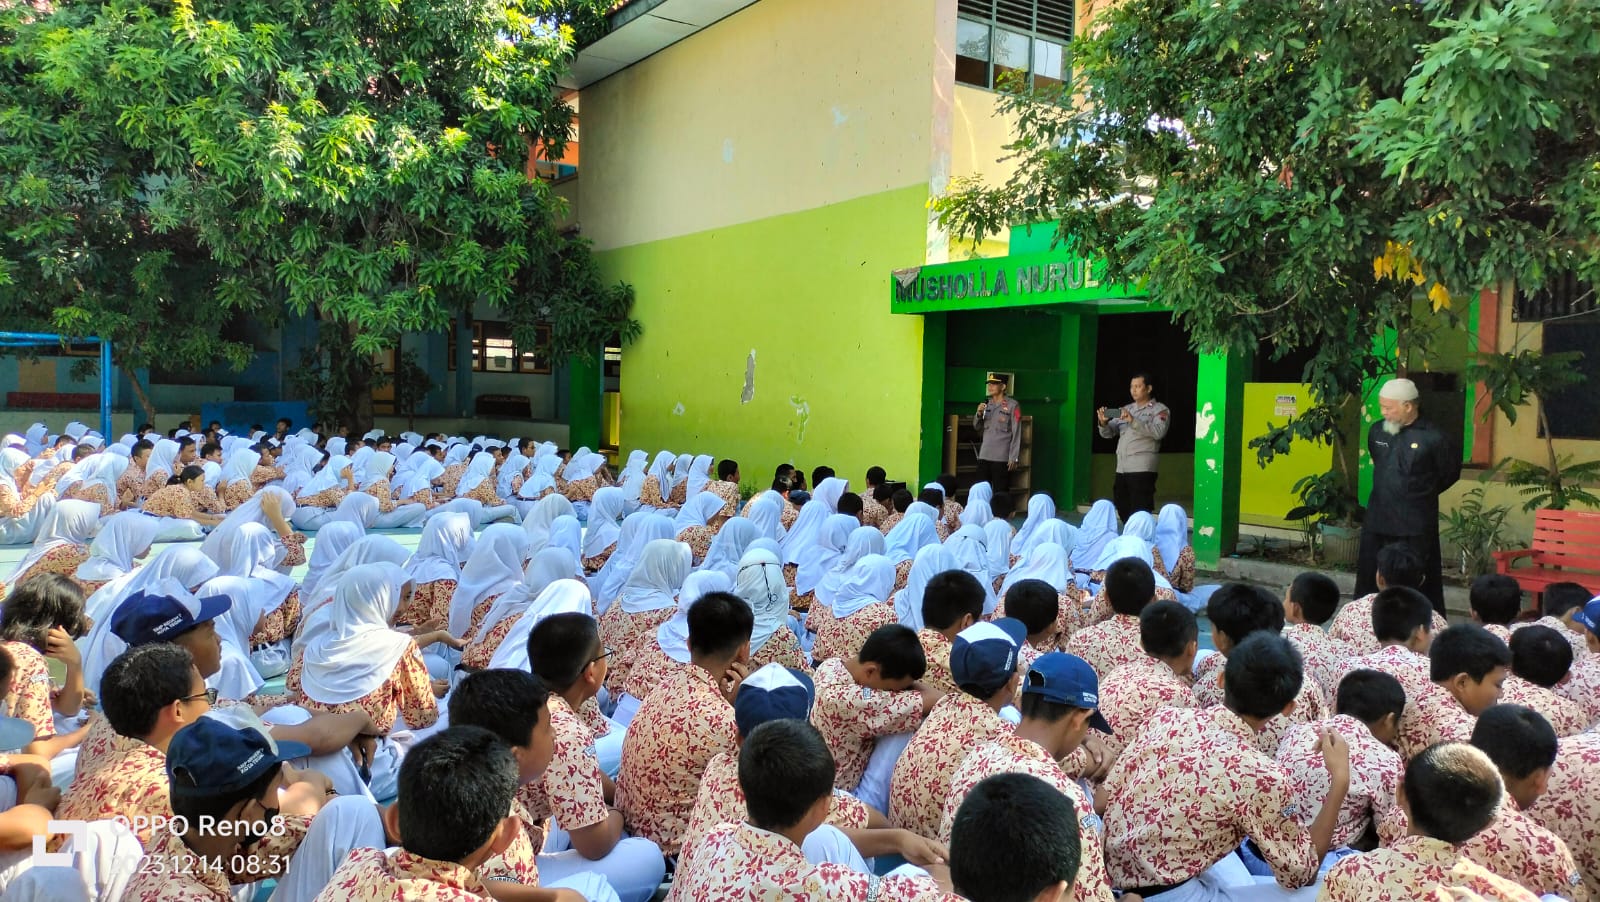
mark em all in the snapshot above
pixel 1308 605
pixel 1170 637
pixel 41 620
pixel 1015 837
pixel 1398 566
pixel 1540 661
pixel 1562 603
pixel 1449 794
pixel 1238 611
pixel 1130 584
pixel 1470 665
pixel 1037 604
pixel 1496 600
pixel 874 694
pixel 180 498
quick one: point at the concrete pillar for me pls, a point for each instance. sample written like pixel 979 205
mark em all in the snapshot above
pixel 1219 436
pixel 1080 333
pixel 464 341
pixel 930 457
pixel 586 387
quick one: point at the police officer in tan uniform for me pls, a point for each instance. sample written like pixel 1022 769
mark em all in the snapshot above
pixel 999 425
pixel 1138 428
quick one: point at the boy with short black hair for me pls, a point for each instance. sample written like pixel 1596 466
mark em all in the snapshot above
pixel 850 505
pixel 1469 665
pixel 1398 566
pixel 685 721
pixel 1523 748
pixel 1238 611
pixel 1562 602
pixel 1209 759
pixel 1130 585
pixel 786 773
pixel 983 663
pixel 1308 605
pixel 1540 661
pixel 1016 838
pixel 1449 795
pixel 877 693
pixel 1058 702
pixel 1037 604
pixel 880 510
pixel 951 602
pixel 874 509
pixel 1496 599
pixel 1170 637
pixel 1369 707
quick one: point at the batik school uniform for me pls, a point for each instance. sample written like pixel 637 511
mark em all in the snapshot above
pixel 29 696
pixel 721 801
pixel 484 494
pixel 1375 773
pixel 936 650
pixel 842 637
pixel 728 492
pixel 1181 572
pixel 1011 754
pixel 1134 692
pixel 14 506
pixel 852 717
pixel 1109 644
pixel 1566 716
pixel 155 481
pixel 650 495
pixel 581 489
pixel 628 636
pixel 1570 808
pixel 170 871
pixel 279 624
pixel 788 515
pixel 63 559
pixel 1069 615
pixel 1187 791
pixel 94 494
pixel 1310 705
pixel 891 520
pixel 206 498
pixel 872 512
pixel 1431 714
pixel 262 476
pixel 130 487
pixel 593 563
pixel 1416 867
pixel 430 602
pixel 699 539
pixel 958 724
pixel 650 666
pixel 373 875
pixel 743 863
pixel 173 501
pixel 237 492
pixel 450 479
pixel 1323 655
pixel 681 725
pixel 1580 645
pixel 129 782
pixel 1515 847
pixel 407 695
pixel 1352 625
pixel 1583 685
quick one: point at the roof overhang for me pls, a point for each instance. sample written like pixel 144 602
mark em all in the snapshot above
pixel 642 27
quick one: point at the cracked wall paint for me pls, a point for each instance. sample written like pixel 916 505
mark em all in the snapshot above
pixel 677 409
pixel 802 413
pixel 1208 530
pixel 1203 421
pixel 1211 463
pixel 749 378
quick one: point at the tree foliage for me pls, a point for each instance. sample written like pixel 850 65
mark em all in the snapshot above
pixel 1300 175
pixel 168 166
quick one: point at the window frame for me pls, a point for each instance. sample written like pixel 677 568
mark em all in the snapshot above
pixel 537 366
pixel 987 13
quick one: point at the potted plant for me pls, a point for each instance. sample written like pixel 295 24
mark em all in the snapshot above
pixel 1332 516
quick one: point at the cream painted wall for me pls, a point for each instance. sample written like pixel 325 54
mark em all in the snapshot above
pixel 980 136
pixel 787 105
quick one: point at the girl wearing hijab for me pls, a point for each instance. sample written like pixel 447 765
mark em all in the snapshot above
pixel 124 539
pixel 1098 530
pixel 631 480
pixel 546 512
pixel 455 467
pixel 699 475
pixel 774 640
pixel 332 540
pixel 415 484
pixel 766 512
pixel 547 567
pixel 252 553
pixel 862 541
pixel 22 508
pixel 564 596
pixel 860 605
pixel 680 480
pixel 98 481
pixel 478 482
pixel 268 469
pixel 732 541
pixel 582 477
pixel 237 483
pixel 1047 562
pixel 670 649
pixel 1041 509
pixel 435 568
pixel 1123 547
pixel 698 521
pixel 317 499
pixel 565 533
pixel 970 546
pixel 513 472
pixel 1173 556
pixel 356 507
pixel 1139 530
pixel 494 566
pixel 540 484
pixel 638 530
pixel 648 599
pixel 803 534
pixel 1058 531
pixel 184 566
pixel 915 531
pixel 997 537
pixel 374 481
pixel 978 512
pixel 833 535
pixel 238 678
pixel 160 467
pixel 63 541
pixel 657 484
pixel 605 525
pixel 930 562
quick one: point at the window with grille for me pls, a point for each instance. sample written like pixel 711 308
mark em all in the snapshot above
pixel 997 37
pixel 1563 294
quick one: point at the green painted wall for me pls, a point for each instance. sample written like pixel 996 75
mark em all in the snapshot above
pixel 837 379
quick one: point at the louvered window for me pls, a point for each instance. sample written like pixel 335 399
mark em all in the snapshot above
pixel 1000 39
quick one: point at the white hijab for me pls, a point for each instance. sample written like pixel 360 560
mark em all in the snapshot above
pixel 543 477
pixel 1172 533
pixel 481 468
pixel 564 596
pixel 297 461
pixel 494 566
pixel 379 465
pixel 970 546
pixel 661 469
pixel 631 479
pixel 930 562
pixel 766 512
pixel 869 582
pixel 359 651
pixel 977 511
pixel 537 523
pixel 68 523
pixel 605 520
pixel 998 535
pixel 1141 525
pixel 862 542
pixel 698 510
pixel 240 466
pixel 760 583
pixel 565 533
pixel 1132 546
pixel 729 546
pixel 366 550
pixel 1058 531
pixel 36 436
pixel 582 466
pixel 238 678
pixel 213 473
pixel 654 584
pixel 816 560
pixel 184 567
pixel 331 476
pixel 358 508
pixel 331 541
pixel 10 459
pixel 639 529
pixel 74 475
pixel 1098 529
pixel 255 553
pixel 915 531
pixel 673 636
pixel 680 475
pixel 1041 508
pixel 420 476
pixel 163 458
pixel 1046 561
pixel 516 462
pixel 445 545
pixel 122 538
pixel 104 471
pixel 335 445
pixel 548 566
pixel 824 503
pixel 699 475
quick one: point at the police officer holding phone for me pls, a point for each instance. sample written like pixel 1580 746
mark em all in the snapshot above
pixel 1138 428
pixel 999 425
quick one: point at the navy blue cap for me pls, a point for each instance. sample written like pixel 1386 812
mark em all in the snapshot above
pixel 211 758
pixel 773 692
pixel 984 655
pixel 163 611
pixel 1067 680
pixel 1589 616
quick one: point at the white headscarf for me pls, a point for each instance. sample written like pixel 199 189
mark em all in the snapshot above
pixel 1098 529
pixel 824 503
pixel 699 475
pixel 516 462
pixel 582 466
pixel 760 583
pixel 1041 508
pixel 680 474
pixel 254 552
pixel 639 529
pixel 10 459
pixel 915 531
pixel 1058 531
pixel 543 477
pixel 359 651
pixel 456 453
pixel 481 468
pixel 1172 533
pixel 998 536
pixel 248 512
pixel 1117 548
pixel 698 510
pixel 445 545
pixel 1131 546
pixel 869 582
pixel 661 469
pixel 379 465
pixel 564 596
pixel 297 461
pixel 331 476
pixel 605 520
pixel 537 523
pixel 930 562
pixel 331 541
pixel 420 476
pixel 766 512
pixel 673 636
pixel 1046 561
pixel 970 546
pixel 863 541
pixel 105 470
pixel 655 581
pixel 163 458
pixel 183 566
pixel 68 523
pixel 1141 525
pixel 356 507
pixel 565 533
pixel 977 511
pixel 494 566
pixel 365 550
pixel 548 566
pixel 816 560
pixel 122 538
pixel 240 466
pixel 213 473
pixel 238 678
pixel 729 546
pixel 36 436
pixel 631 479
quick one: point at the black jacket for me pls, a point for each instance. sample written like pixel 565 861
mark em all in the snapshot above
pixel 1409 471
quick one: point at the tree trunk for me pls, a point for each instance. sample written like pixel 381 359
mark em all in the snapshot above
pixel 360 400
pixel 139 392
pixel 1557 497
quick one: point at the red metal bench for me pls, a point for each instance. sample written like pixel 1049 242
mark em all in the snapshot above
pixel 52 400
pixel 1566 548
